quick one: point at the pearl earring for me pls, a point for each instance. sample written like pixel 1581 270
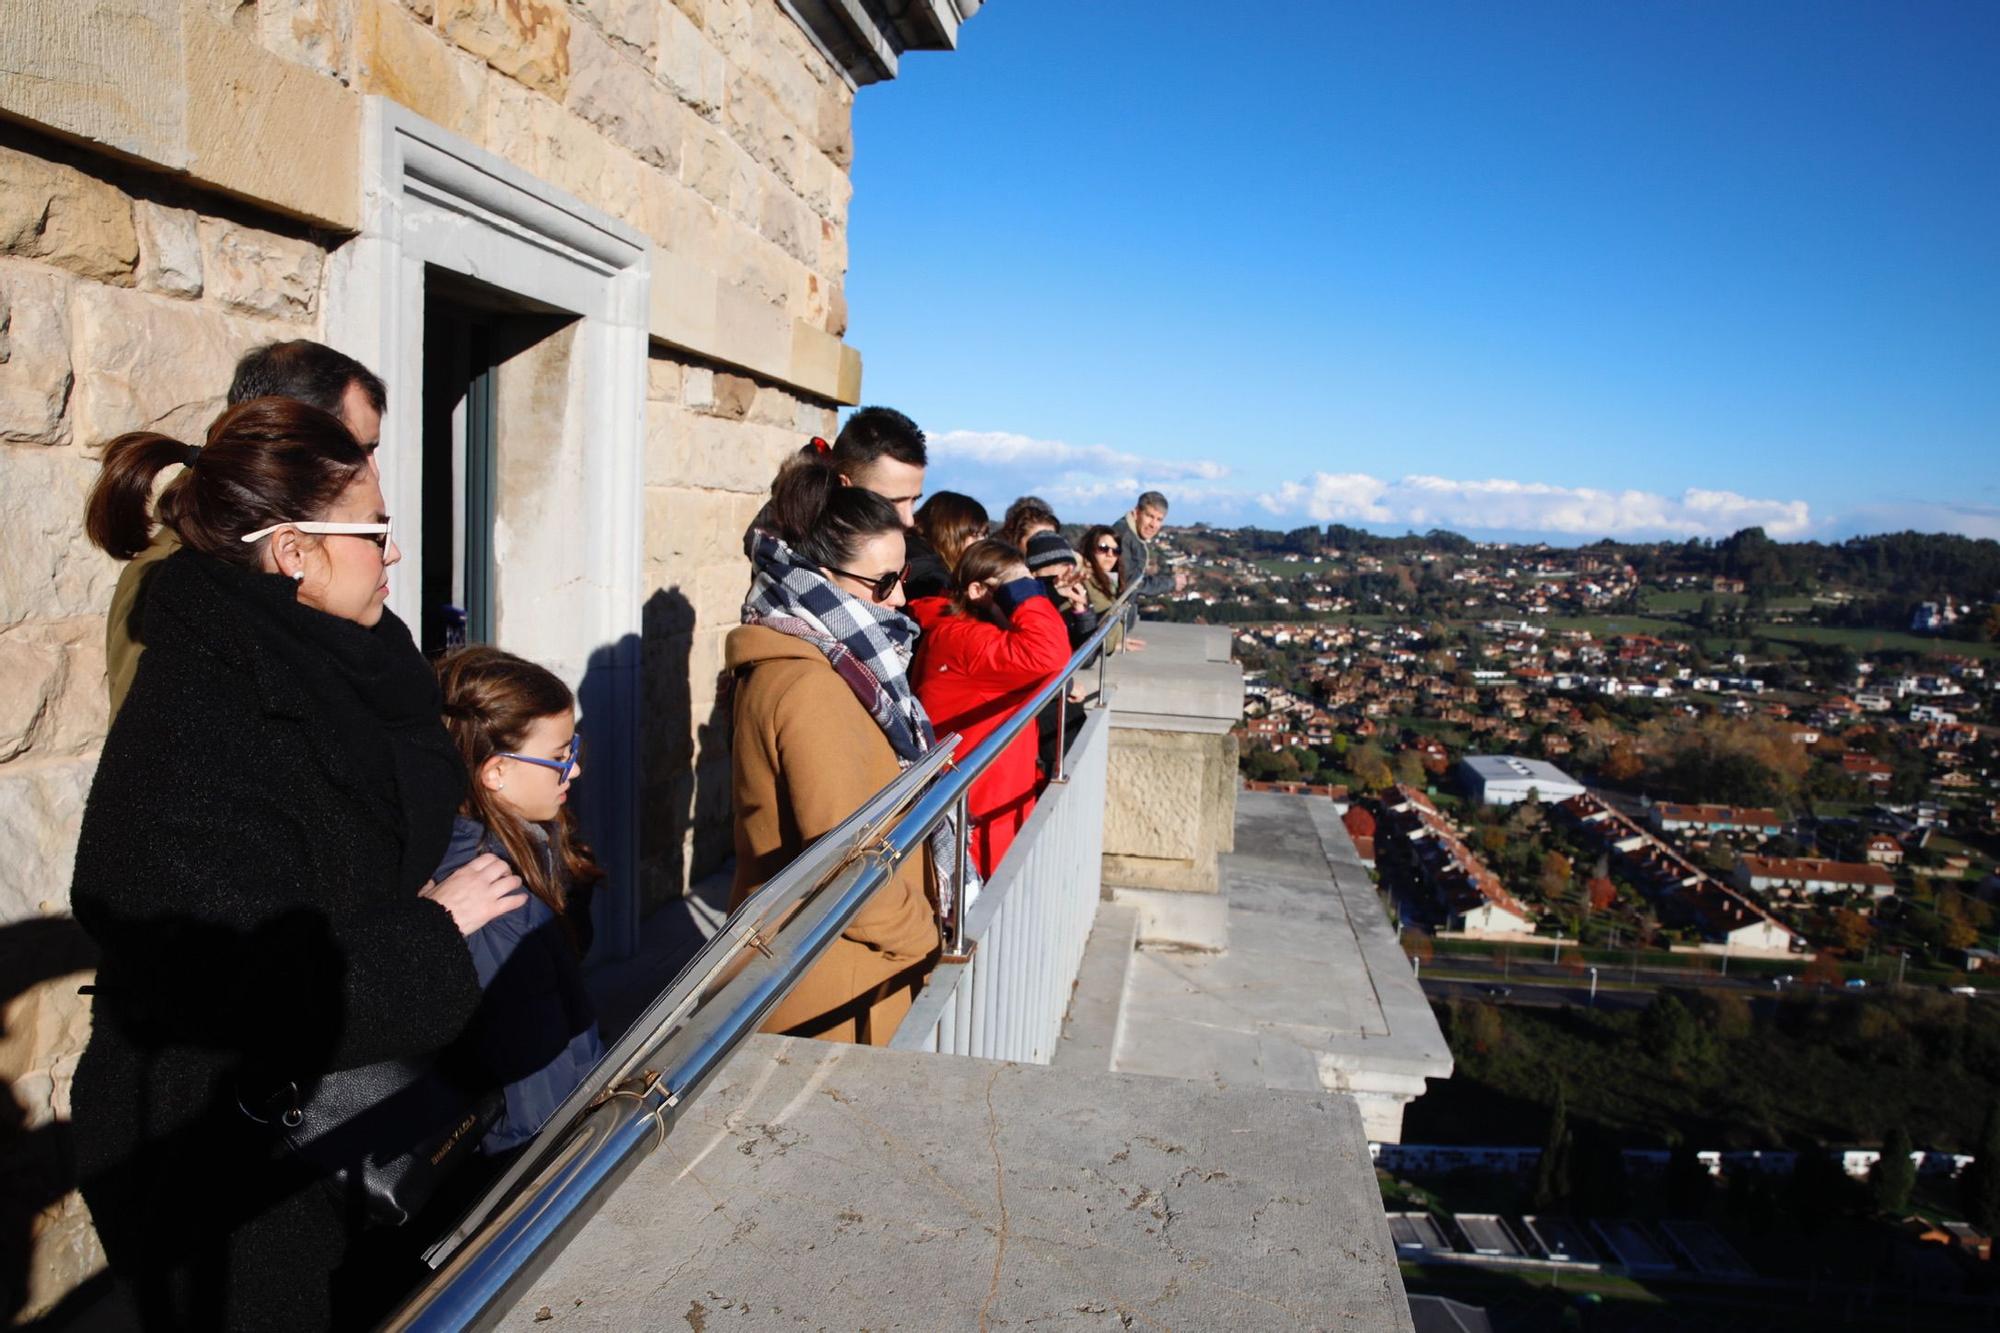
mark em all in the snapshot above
pixel 298 576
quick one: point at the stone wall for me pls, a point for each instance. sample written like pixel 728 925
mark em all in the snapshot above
pixel 714 439
pixel 125 299
pixel 149 237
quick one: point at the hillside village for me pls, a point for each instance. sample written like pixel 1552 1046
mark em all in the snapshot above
pixel 1736 753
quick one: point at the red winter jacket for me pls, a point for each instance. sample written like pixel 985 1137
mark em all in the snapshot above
pixel 971 676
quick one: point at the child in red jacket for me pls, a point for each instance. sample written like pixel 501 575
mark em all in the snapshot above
pixel 982 655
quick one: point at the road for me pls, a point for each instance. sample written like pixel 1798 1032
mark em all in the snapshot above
pixel 1538 994
pixel 1569 973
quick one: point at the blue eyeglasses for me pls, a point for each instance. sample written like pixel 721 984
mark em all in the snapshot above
pixel 563 767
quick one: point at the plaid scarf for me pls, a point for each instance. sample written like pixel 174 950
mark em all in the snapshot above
pixel 869 647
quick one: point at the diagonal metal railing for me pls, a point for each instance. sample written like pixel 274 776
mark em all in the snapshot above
pixel 674 1050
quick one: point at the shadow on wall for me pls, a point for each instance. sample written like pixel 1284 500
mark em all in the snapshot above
pixel 38 1162
pixel 684 829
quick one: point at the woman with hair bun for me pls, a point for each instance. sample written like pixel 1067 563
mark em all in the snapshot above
pixel 254 867
pixel 824 718
pixel 985 652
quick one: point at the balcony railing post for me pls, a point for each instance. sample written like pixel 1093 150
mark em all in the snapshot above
pixel 958 904
pixel 1062 735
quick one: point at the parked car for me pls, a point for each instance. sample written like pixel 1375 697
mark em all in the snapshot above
pixel 1856 983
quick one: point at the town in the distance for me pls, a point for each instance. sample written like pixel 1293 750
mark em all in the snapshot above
pixel 1693 845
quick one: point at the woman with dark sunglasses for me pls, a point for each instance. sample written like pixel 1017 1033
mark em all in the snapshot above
pixel 1100 585
pixel 824 718
pixel 254 865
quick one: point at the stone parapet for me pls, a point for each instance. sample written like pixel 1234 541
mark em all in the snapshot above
pixel 1170 809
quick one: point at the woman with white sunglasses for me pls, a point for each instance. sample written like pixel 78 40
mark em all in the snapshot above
pixel 253 865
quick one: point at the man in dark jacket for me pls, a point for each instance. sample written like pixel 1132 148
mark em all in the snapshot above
pixel 1135 553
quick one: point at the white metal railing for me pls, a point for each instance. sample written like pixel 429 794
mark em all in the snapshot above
pixel 631 1101
pixel 1029 925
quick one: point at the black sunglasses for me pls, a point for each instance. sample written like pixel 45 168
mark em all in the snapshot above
pixel 878 588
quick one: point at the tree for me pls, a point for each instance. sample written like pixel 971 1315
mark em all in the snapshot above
pixel 1371 767
pixel 1895 1175
pixel 1979 1183
pixel 1623 764
pixel 1821 970
pixel 1851 931
pixel 1409 769
pixel 1555 877
pixel 1601 893
pixel 1551 1185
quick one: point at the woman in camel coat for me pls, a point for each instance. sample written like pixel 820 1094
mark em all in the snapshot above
pixel 808 752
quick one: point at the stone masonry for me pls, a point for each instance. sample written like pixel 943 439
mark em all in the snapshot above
pixel 175 178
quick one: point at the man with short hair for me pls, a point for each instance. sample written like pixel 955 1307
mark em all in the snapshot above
pixel 881 450
pixel 308 372
pixel 1135 534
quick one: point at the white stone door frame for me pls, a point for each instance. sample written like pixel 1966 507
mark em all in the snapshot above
pixel 432 199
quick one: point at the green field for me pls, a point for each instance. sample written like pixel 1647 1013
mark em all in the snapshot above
pixel 1875 640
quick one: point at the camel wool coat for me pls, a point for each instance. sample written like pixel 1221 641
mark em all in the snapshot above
pixel 807 755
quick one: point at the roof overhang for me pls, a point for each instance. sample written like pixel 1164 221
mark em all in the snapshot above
pixel 864 38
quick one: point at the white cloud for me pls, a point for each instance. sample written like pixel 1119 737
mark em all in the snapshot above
pixel 1530 506
pixel 1967 520
pixel 1004 449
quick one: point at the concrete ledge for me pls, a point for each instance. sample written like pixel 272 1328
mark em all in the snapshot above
pixel 1172 919
pixel 825 1186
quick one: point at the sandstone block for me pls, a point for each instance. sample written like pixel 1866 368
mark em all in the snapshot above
pixel 776 406
pixel 131 385
pixel 61 216
pixel 35 375
pixel 527 40
pixel 30 680
pixel 698 392
pixel 696 10
pixel 612 91
pixel 423 9
pixel 1169 798
pixel 409 63
pixel 260 272
pixel 788 224
pixel 318 34
pixel 108 72
pixel 760 126
pixel 689 64
pixel 716 168
pixel 733 395
pixel 633 23
pixel 72 714
pixel 41 808
pixel 663 379
pixel 51 572
pixel 248 112
pixel 686 526
pixel 169 249
pixel 732 455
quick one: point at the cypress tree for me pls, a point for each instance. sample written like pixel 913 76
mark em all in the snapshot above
pixel 1895 1175
pixel 1551 1185
pixel 1979 1184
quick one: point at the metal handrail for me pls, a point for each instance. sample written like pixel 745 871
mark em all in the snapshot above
pixel 676 1048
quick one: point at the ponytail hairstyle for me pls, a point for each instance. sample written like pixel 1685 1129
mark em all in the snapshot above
pixel 950 522
pixel 491 698
pixel 820 517
pixel 1098 578
pixel 1030 511
pixel 983 562
pixel 265 461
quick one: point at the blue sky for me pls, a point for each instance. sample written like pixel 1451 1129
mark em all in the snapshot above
pixel 1558 270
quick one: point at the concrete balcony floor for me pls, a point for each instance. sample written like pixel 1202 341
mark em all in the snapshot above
pixel 818 1186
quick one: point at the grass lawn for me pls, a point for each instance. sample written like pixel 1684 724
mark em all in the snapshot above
pixel 1604 626
pixel 1876 640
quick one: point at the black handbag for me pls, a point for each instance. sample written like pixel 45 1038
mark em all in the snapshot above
pixel 383 1136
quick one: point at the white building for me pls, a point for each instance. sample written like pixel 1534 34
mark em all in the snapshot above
pixel 1504 779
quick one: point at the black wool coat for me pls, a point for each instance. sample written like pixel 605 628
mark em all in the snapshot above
pixel 269 802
